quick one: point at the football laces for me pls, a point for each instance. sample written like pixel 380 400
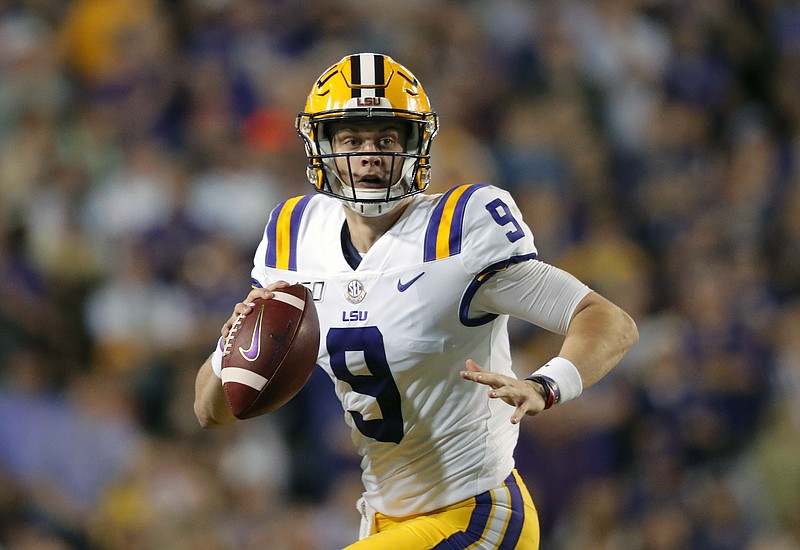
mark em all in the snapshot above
pixel 232 334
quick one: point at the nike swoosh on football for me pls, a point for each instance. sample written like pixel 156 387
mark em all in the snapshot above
pixel 251 353
pixel 402 287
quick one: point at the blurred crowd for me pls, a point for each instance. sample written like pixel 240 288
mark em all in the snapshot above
pixel 652 145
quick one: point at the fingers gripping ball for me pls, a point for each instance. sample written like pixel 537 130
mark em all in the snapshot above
pixel 271 352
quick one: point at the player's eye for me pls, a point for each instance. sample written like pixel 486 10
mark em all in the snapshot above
pixel 350 142
pixel 388 142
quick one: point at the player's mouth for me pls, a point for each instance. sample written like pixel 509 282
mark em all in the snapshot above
pixel 371 182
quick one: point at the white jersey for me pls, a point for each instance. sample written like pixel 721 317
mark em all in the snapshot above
pixel 396 331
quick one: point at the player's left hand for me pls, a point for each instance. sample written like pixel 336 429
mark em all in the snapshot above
pixel 521 394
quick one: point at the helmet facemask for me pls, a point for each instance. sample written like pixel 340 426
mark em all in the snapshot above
pixel 408 170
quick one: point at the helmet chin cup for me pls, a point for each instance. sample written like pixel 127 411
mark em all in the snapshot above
pixel 371 202
pixel 370 209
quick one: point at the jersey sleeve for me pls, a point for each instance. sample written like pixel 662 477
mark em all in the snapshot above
pixel 259 277
pixel 494 233
pixel 479 223
pixel 278 246
pixel 482 225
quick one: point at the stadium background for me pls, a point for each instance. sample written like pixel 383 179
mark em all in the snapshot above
pixel 652 145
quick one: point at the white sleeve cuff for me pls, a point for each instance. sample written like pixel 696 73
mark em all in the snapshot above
pixel 216 359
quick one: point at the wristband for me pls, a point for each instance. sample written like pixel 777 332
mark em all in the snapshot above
pixel 561 377
pixel 552 395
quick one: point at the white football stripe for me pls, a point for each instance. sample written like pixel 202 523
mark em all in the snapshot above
pixel 289 299
pixel 244 376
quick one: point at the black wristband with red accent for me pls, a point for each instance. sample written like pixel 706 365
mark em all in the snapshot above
pixel 552 394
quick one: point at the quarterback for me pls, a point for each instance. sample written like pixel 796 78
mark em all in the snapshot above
pixel 414 292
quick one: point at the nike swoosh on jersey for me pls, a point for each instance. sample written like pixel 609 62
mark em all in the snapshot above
pixel 252 353
pixel 402 287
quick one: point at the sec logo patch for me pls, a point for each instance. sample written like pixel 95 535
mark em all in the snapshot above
pixel 355 292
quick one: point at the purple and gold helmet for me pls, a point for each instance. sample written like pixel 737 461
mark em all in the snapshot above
pixel 362 87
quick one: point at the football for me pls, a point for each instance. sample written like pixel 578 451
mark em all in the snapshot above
pixel 272 352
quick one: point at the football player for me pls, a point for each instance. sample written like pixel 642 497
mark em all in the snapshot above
pixel 414 292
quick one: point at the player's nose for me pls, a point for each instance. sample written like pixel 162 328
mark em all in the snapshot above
pixel 371 155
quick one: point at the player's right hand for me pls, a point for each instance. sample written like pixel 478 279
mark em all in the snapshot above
pixel 246 306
